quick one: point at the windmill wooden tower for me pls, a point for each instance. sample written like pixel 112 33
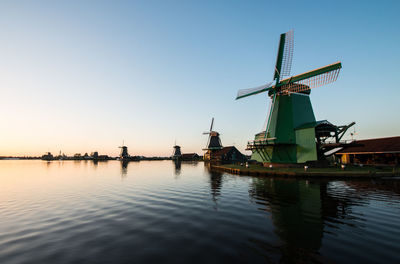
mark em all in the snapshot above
pixel 292 133
pixel 176 155
pixel 213 144
pixel 124 152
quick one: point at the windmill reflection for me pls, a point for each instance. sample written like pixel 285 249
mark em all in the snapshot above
pixel 300 210
pixel 124 168
pixel 216 179
pixel 177 164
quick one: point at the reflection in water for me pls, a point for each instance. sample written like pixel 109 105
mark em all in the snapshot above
pixel 177 164
pixel 299 210
pixel 388 187
pixel 215 181
pixel 124 168
pixel 86 209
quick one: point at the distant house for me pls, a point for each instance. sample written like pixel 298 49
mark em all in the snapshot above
pixel 228 155
pixel 372 151
pixel 103 157
pixel 47 156
pixel 190 156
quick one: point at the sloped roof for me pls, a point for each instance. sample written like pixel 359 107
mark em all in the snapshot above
pixel 375 145
pixel 314 124
pixel 226 150
pixel 189 155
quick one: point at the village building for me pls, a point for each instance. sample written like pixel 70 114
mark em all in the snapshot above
pixel 376 151
pixel 190 156
pixel 228 154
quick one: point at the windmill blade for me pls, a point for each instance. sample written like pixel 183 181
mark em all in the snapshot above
pixel 206 133
pixel 285 55
pixel 212 123
pixel 251 91
pixel 311 79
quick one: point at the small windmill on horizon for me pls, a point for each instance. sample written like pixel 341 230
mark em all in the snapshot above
pixel 124 152
pixel 176 155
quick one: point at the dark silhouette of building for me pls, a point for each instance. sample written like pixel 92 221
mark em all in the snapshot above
pixel 190 156
pixel 177 152
pixel 214 142
pixel 228 155
pixel 374 151
pixel 124 152
pixel 48 156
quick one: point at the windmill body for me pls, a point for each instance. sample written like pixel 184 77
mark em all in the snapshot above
pixel 213 144
pixel 292 134
pixel 124 155
pixel 176 155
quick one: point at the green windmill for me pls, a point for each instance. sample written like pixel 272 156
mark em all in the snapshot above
pixel 292 135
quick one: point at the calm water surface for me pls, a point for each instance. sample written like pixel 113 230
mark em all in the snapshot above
pixel 158 211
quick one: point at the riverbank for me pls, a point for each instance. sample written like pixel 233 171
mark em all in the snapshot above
pixel 329 172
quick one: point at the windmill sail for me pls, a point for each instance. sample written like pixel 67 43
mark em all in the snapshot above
pixel 311 79
pixel 247 92
pixel 285 55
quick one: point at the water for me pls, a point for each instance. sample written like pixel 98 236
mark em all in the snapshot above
pixel 157 211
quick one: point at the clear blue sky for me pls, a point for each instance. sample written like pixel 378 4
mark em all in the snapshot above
pixel 79 76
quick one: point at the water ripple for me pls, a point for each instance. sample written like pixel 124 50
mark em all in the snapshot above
pixel 149 212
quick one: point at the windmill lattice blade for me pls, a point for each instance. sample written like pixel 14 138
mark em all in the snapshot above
pixel 311 79
pixel 312 82
pixel 247 92
pixel 287 54
pixel 212 123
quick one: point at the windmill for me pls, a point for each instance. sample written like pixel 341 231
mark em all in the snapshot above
pixel 124 152
pixel 214 142
pixel 291 131
pixel 177 152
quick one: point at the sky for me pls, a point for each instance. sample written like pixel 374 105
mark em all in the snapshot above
pixel 82 76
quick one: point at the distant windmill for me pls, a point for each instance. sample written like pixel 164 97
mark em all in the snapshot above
pixel 291 132
pixel 177 152
pixel 214 142
pixel 124 152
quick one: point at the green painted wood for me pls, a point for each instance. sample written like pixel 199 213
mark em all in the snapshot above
pixel 290 112
pixel 279 58
pixel 306 146
pixel 302 110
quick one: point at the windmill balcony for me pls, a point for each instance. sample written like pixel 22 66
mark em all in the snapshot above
pixel 253 144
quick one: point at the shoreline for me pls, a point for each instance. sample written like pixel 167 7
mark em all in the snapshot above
pixel 351 172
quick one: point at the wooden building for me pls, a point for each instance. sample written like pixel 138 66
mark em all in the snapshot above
pixel 376 151
pixel 227 155
pixel 190 156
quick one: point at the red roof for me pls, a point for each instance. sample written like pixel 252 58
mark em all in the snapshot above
pixel 375 145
